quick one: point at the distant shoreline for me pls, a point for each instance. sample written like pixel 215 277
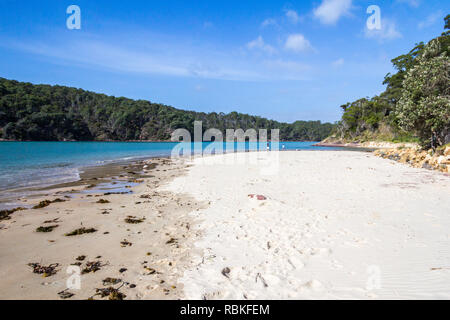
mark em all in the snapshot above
pixel 134 141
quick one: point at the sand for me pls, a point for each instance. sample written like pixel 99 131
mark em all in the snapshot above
pixel 335 225
pixel 329 225
pixel 157 257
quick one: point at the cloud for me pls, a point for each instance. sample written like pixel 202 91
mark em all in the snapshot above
pixel 114 57
pixel 259 44
pixel 338 62
pixel 288 70
pixel 388 31
pixel 330 11
pixel 431 19
pixel 293 16
pixel 269 22
pixel 297 43
pixel 412 3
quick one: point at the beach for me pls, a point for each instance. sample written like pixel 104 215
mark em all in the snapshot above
pixel 142 239
pixel 317 225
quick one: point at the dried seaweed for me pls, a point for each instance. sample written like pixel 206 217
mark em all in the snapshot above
pixel 134 220
pixel 46 271
pixel 111 281
pixel 111 293
pixel 150 270
pixel 6 214
pixel 111 193
pixel 172 241
pixel 80 232
pixel 47 229
pixel 81 258
pixel 103 201
pixel 46 203
pixel 125 243
pixel 92 267
pixel 65 294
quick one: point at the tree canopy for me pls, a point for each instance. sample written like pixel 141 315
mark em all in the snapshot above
pixel 415 104
pixel 57 113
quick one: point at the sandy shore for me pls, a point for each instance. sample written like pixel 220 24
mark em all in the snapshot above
pixel 333 225
pixel 323 224
pixel 147 256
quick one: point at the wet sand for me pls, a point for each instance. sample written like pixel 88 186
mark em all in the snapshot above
pixel 143 238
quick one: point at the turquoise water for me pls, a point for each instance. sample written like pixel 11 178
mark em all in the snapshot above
pixel 34 164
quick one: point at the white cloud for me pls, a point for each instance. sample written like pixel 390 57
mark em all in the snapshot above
pixel 293 16
pixel 259 44
pixel 330 11
pixel 112 57
pixel 388 31
pixel 338 62
pixel 288 70
pixel 412 3
pixel 297 43
pixel 269 22
pixel 431 19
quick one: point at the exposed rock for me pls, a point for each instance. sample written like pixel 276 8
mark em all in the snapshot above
pixel 418 158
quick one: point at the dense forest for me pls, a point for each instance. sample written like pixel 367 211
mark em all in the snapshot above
pixel 415 105
pixel 31 112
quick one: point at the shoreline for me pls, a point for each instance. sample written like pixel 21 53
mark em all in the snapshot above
pixel 93 173
pixel 153 247
pixel 286 236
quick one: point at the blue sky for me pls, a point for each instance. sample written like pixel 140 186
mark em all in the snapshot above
pixel 288 61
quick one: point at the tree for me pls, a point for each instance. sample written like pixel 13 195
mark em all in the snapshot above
pixel 424 106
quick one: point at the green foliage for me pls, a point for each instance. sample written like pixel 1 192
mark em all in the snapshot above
pixel 424 106
pixel 415 104
pixel 55 113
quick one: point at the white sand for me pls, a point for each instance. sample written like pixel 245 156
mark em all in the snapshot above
pixel 335 225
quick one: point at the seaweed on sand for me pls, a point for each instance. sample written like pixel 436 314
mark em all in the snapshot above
pixel 134 220
pixel 150 270
pixel 46 203
pixel 80 232
pixel 6 214
pixel 111 293
pixel 65 294
pixel 111 281
pixel 81 258
pixel 92 267
pixel 103 201
pixel 47 229
pixel 172 241
pixel 46 271
pixel 125 243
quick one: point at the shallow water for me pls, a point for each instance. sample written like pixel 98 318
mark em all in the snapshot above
pixel 39 164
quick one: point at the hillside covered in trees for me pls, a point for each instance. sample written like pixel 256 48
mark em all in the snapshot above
pixel 56 113
pixel 415 105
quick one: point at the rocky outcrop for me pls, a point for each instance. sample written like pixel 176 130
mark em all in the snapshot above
pixel 414 156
